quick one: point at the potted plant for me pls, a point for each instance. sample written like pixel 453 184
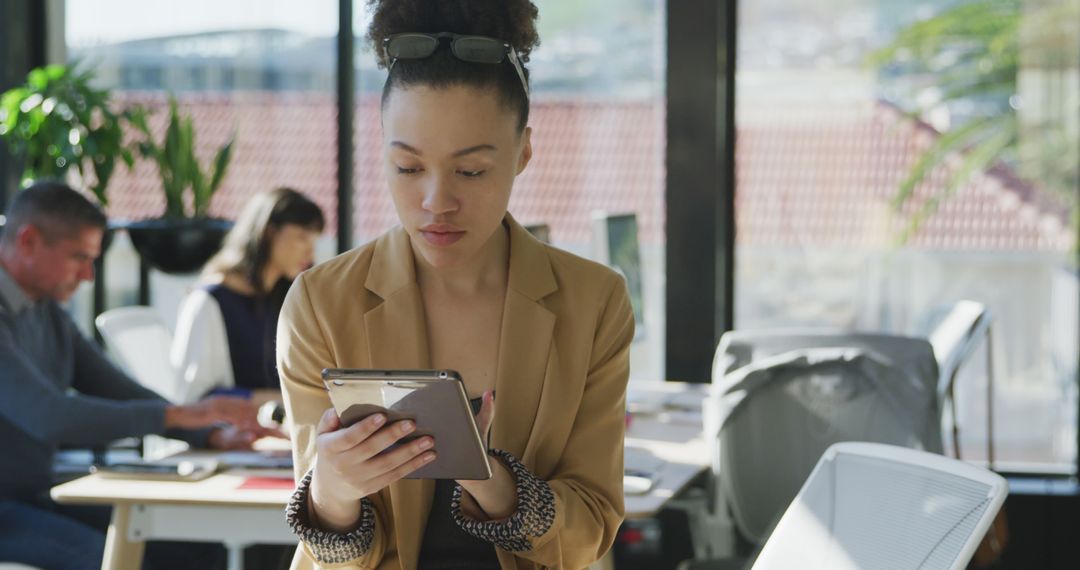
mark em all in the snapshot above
pixel 58 123
pixel 184 237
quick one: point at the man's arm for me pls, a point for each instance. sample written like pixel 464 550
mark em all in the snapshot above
pixel 41 408
pixel 95 375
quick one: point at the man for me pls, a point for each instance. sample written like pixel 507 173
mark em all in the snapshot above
pixel 57 388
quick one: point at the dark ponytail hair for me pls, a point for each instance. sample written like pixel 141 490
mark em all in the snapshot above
pixel 512 21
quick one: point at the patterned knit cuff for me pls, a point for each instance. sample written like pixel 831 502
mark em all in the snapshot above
pixel 534 515
pixel 329 547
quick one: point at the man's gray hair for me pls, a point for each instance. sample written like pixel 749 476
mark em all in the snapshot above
pixel 56 210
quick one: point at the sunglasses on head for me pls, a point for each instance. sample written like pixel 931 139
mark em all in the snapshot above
pixel 474 49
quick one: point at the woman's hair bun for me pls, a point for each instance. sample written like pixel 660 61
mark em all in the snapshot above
pixel 513 21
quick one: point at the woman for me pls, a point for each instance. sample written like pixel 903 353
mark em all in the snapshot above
pixel 224 339
pixel 459 285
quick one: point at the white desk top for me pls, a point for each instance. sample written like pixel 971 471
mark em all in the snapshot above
pixel 222 489
pixel 665 439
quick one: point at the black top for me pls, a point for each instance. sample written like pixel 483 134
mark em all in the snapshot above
pixel 445 545
pixel 250 326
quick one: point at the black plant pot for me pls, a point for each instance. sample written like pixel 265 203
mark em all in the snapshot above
pixel 177 246
pixel 107 237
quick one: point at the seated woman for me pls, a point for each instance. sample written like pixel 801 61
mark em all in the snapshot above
pixel 459 285
pixel 224 340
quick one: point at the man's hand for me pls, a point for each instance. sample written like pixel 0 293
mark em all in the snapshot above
pixel 218 409
pixel 230 437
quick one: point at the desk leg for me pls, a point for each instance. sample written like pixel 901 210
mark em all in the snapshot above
pixel 121 553
pixel 236 555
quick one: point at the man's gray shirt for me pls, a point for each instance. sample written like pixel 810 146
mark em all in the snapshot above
pixel 56 387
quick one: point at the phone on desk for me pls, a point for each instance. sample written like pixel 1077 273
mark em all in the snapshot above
pixel 158 470
pixel 434 399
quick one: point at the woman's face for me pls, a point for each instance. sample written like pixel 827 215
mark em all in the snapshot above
pixel 292 249
pixel 451 158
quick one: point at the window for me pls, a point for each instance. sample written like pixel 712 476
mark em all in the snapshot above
pixel 837 104
pixel 260 70
pixel 597 84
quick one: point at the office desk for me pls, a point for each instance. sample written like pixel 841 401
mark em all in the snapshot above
pixel 664 437
pixel 212 510
pixel 663 440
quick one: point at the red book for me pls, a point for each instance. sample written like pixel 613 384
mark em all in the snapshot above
pixel 268 483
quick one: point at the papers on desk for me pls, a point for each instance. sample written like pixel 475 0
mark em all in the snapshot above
pixel 680 407
pixel 277 459
pixel 686 401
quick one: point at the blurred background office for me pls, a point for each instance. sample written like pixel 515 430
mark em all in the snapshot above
pixel 840 164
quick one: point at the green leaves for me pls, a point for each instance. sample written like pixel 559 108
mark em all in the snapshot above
pixel 972 50
pixel 975 52
pixel 58 121
pixel 178 164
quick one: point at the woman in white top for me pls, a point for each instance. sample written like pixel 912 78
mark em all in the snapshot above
pixel 224 341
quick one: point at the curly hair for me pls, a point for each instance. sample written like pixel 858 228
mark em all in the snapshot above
pixel 512 21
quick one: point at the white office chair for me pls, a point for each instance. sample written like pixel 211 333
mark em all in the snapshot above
pixel 955 331
pixel 140 342
pixel 875 506
pixel 781 398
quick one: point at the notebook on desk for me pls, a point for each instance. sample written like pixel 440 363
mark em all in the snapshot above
pixel 164 470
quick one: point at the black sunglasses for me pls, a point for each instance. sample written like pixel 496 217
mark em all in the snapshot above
pixel 475 49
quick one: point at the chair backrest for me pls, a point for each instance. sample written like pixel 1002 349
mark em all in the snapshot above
pixel 872 506
pixel 780 399
pixel 140 342
pixel 955 331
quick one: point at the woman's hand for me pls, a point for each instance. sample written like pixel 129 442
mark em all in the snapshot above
pixel 349 467
pixel 495 498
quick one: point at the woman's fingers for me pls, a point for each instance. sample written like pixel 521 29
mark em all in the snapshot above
pixel 381 440
pixel 486 415
pixel 358 454
pixel 345 439
pixel 402 470
pixel 394 458
pixel 328 422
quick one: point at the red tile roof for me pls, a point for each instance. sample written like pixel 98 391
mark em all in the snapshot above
pixel 822 183
pixel 829 182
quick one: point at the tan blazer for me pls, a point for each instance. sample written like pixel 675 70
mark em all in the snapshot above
pixel 561 382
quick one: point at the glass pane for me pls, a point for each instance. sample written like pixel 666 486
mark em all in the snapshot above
pixel 894 158
pixel 260 71
pixel 597 83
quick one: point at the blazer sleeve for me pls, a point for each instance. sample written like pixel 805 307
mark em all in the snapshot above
pixel 302 353
pixel 200 350
pixel 588 485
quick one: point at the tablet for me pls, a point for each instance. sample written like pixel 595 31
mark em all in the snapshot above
pixel 434 399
